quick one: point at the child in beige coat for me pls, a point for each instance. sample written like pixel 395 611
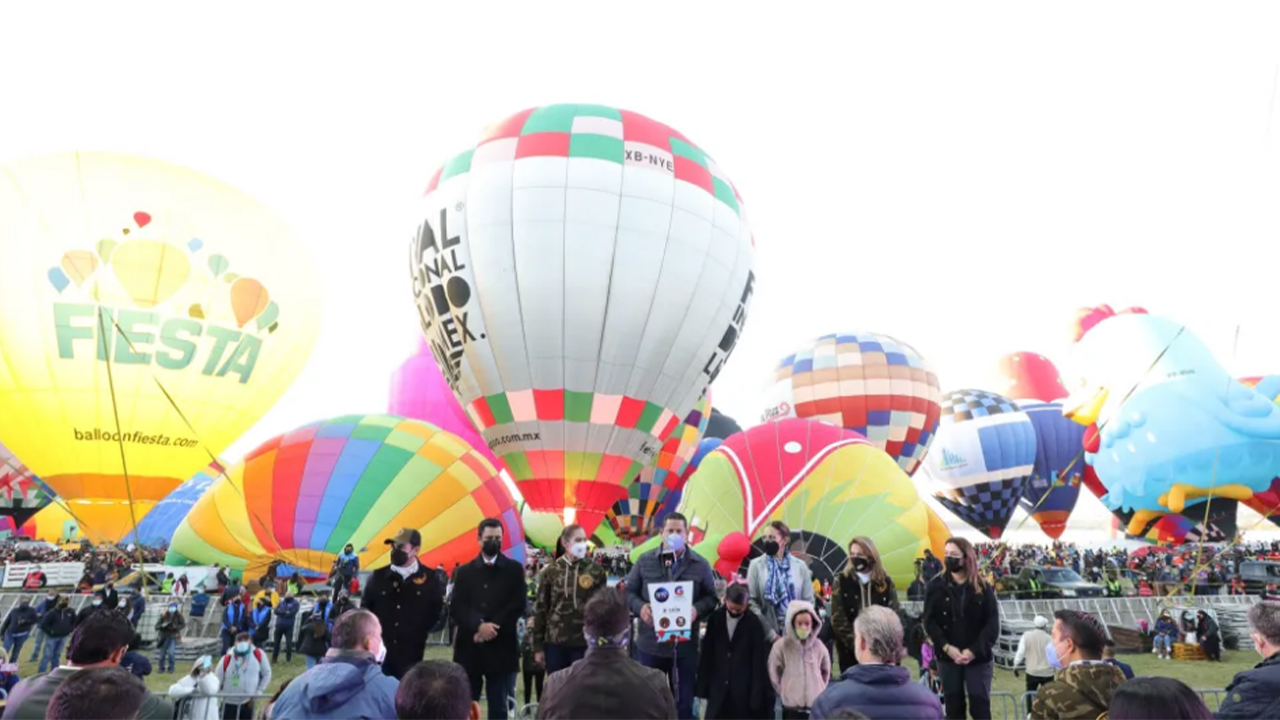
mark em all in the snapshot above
pixel 799 664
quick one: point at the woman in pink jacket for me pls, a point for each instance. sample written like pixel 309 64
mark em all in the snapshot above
pixel 799 664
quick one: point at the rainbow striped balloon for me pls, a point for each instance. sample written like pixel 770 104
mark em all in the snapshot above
pixel 300 497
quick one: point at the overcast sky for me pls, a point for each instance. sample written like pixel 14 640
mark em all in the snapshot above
pixel 959 176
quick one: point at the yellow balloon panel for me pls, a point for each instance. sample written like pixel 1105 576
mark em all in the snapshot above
pixel 148 317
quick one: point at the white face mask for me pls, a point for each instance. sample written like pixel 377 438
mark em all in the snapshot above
pixel 381 655
pixel 578 550
pixel 864 578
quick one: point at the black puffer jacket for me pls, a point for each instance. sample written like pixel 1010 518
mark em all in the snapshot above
pixel 1254 693
pixel 956 615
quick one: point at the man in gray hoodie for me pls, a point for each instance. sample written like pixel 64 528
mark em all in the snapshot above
pixel 348 682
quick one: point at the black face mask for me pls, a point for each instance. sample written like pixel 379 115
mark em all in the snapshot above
pixel 861 564
pixel 770 547
pixel 491 547
pixel 399 557
pixel 954 564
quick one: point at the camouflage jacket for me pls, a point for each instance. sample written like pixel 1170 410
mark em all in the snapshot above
pixel 564 588
pixel 1078 692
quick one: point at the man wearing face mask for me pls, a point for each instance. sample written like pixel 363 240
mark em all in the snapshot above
pixel 776 579
pixel 733 662
pixel 673 561
pixel 407 599
pixel 1256 693
pixel 564 587
pixel 345 568
pixel 348 683
pixel 1084 683
pixel 243 673
pixel 488 600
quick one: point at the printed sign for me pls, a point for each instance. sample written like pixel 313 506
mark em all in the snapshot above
pixel 672 605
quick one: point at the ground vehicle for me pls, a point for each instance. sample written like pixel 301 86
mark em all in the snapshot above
pixel 1257 575
pixel 1036 582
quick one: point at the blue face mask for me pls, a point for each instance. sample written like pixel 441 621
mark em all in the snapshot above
pixel 675 542
pixel 242 648
pixel 1051 655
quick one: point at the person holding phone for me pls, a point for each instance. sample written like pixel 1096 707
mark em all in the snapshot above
pixel 201 684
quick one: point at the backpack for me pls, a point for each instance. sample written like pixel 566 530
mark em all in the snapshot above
pixel 226 659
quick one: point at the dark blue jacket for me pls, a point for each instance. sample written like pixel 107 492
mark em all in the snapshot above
pixel 138 606
pixel 1124 668
pixel 648 570
pixel 881 692
pixel 1254 693
pixel 199 603
pixel 286 613
pixel 136 663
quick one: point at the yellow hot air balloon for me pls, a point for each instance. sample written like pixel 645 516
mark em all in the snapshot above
pixel 126 359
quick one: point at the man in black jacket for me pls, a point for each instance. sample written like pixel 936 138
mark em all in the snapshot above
pixel 733 664
pixel 488 601
pixel 674 561
pixel 407 600
pixel 1256 693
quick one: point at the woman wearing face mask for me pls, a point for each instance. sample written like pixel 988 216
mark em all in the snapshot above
pixel 775 579
pixel 862 583
pixel 169 628
pixel 564 587
pixel 962 618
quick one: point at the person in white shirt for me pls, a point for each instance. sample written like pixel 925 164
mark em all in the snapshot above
pixel 1031 649
pixel 202 683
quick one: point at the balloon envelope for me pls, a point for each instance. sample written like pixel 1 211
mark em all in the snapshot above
pixel 1023 376
pixel 22 494
pixel 984 454
pixel 419 391
pixel 300 497
pixel 1054 486
pixel 634 517
pixel 870 383
pixel 158 527
pixel 126 357
pixel 582 275
pixel 827 484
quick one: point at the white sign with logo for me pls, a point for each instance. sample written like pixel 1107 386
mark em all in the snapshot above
pixel 672 606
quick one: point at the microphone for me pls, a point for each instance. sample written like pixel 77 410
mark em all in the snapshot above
pixel 668 559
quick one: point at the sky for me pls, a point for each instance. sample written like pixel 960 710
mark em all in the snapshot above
pixel 960 176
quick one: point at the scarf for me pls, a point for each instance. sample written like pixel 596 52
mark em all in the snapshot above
pixel 405 572
pixel 778 589
pixel 619 641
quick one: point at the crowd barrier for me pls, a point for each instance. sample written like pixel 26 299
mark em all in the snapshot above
pixel 186 705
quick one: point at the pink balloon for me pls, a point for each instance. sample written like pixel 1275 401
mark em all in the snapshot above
pixel 419 391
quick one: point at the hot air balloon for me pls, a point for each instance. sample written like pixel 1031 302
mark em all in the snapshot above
pixel 582 275
pixel 541 529
pixel 22 494
pixel 721 425
pixel 673 498
pixel 130 353
pixel 983 455
pixel 1023 376
pixel 157 528
pixel 1032 381
pixel 52 524
pixel 300 497
pixel 1167 426
pixel 419 391
pixel 633 518
pixel 826 483
pixel 870 383
pixel 1054 486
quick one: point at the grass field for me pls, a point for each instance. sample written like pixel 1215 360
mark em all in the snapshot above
pixel 1199 675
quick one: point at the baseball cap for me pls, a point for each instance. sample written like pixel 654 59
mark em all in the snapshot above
pixel 406 536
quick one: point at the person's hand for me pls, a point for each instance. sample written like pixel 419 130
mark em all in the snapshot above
pixel 1017 672
pixel 966 657
pixel 693 615
pixel 646 615
pixel 488 631
pixel 540 658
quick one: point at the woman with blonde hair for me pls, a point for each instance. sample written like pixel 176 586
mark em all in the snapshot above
pixel 962 617
pixel 861 584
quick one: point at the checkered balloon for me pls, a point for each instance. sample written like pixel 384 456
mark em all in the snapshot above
pixel 870 383
pixel 983 455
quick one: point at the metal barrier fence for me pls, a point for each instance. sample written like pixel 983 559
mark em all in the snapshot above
pixel 187 705
pixel 1007 706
